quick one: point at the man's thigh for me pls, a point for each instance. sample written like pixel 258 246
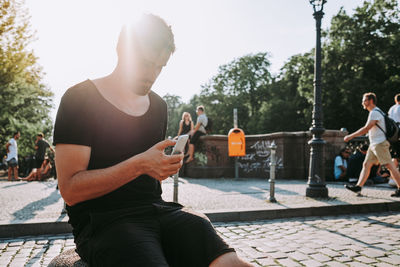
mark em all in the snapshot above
pixel 189 239
pixel 382 153
pixel 127 244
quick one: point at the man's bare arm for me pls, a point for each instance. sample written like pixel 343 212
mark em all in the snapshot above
pixel 361 131
pixel 78 184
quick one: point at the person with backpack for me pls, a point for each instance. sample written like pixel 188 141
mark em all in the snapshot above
pixel 378 151
pixel 199 130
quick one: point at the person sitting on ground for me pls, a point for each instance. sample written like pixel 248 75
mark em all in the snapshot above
pixel 40 174
pixel 199 130
pixel 340 166
pixel 355 163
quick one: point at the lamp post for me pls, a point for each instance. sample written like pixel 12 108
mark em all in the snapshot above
pixel 316 178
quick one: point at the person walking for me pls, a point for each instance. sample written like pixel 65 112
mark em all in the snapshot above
pixel 378 150
pixel 110 139
pixel 12 157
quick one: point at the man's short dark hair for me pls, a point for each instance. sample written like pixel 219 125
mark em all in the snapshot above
pixel 15 133
pixel 397 98
pixel 370 96
pixel 150 31
pixel 200 108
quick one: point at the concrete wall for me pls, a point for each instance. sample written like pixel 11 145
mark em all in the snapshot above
pixel 293 151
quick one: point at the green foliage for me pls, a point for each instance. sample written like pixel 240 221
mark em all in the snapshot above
pixel 25 102
pixel 242 84
pixel 360 53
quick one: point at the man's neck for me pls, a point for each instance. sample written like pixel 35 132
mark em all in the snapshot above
pixel 370 108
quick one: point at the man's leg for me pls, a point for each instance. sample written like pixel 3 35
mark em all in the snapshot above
pixel 10 169
pixel 364 174
pixel 189 239
pixel 135 243
pixel 16 173
pixel 229 259
pixel 394 173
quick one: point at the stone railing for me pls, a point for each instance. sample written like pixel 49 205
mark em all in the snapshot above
pixel 293 153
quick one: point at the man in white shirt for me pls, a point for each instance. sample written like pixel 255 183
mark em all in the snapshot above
pixel 394 111
pixel 378 151
pixel 12 156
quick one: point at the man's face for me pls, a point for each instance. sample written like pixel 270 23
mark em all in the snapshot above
pixel 17 136
pixel 148 66
pixel 366 102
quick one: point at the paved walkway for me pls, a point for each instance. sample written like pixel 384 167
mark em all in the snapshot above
pixel 29 202
pixel 347 240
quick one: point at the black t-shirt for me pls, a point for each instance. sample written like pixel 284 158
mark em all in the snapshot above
pixel 86 118
pixel 41 150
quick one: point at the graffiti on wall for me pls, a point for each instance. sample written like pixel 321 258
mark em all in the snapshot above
pixel 258 158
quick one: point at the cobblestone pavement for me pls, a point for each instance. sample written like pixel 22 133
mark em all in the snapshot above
pixel 355 240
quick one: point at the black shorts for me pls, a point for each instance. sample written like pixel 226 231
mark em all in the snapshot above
pixel 162 236
pixel 38 162
pixel 196 137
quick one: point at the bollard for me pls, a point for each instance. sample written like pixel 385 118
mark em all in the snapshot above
pixel 272 172
pixel 175 188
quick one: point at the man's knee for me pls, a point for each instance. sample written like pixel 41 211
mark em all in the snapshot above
pixel 229 259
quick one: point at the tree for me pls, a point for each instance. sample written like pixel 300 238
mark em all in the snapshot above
pixel 25 101
pixel 361 54
pixel 242 84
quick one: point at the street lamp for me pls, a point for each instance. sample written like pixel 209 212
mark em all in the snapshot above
pixel 316 178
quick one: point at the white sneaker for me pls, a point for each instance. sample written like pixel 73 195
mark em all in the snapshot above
pixel 392 183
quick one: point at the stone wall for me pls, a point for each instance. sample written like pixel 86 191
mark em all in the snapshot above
pixel 293 153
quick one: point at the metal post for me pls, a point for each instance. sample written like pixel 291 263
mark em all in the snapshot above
pixel 175 188
pixel 235 125
pixel 235 119
pixel 316 178
pixel 272 165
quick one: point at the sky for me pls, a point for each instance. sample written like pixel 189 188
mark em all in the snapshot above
pixel 76 39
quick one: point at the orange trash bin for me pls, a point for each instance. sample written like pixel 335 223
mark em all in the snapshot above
pixel 236 143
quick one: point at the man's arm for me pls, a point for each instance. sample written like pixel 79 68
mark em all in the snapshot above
pixel 7 145
pixel 361 131
pixel 78 184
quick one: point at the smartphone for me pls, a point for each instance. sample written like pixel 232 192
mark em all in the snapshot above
pixel 180 144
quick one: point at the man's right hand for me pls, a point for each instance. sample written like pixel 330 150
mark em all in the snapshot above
pixel 159 165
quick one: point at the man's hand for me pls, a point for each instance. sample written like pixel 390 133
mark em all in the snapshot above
pixel 347 138
pixel 159 165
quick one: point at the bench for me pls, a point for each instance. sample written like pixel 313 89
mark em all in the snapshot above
pixel 68 258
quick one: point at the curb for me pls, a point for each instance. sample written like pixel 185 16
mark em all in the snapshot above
pixel 62 227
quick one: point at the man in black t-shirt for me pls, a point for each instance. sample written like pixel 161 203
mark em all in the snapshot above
pixel 41 145
pixel 110 140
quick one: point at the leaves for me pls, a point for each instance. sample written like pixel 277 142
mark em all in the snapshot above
pixel 25 102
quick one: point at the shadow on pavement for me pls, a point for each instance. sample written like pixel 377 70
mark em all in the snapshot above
pixel 28 212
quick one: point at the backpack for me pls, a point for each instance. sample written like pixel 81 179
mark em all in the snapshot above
pixel 392 128
pixel 208 127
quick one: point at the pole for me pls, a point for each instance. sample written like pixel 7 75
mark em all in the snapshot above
pixel 272 165
pixel 175 188
pixel 235 119
pixel 235 125
pixel 316 178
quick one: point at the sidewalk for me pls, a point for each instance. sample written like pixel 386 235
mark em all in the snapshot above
pixel 34 208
